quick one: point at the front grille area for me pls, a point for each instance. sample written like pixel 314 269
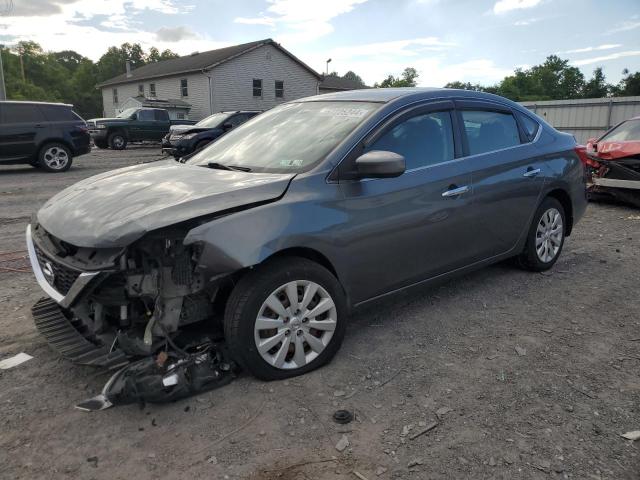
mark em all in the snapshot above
pixel 63 277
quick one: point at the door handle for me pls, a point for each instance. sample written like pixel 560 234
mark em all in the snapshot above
pixel 455 191
pixel 39 125
pixel 531 172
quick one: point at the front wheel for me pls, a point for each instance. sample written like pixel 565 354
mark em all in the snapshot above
pixel 285 318
pixel 117 141
pixel 545 238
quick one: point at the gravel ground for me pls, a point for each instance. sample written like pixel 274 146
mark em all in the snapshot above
pixel 525 376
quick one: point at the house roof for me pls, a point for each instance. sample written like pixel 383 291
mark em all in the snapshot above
pixel 331 82
pixel 156 103
pixel 197 62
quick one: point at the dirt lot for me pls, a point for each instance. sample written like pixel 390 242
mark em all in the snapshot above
pixel 527 376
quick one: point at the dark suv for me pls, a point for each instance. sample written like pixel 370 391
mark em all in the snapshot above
pixel 45 135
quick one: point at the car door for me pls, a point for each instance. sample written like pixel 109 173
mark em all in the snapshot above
pixel 162 123
pixel 507 174
pixel 418 225
pixel 144 126
pixel 22 127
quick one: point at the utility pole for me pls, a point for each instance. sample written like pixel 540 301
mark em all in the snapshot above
pixel 328 62
pixel 3 92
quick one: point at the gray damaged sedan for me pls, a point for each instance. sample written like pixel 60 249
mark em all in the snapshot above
pixel 252 252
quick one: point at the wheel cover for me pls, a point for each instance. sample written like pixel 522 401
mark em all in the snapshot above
pixel 56 158
pixel 295 324
pixel 118 141
pixel 549 235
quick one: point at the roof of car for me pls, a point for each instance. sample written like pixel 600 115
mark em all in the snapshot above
pixel 385 95
pixel 55 104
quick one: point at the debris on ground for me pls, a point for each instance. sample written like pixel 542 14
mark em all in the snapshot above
pixel 14 361
pixel 442 411
pixel 426 429
pixel 342 416
pixel 520 351
pixel 342 444
pixel 633 436
pixel 359 475
pixel 380 470
pixel 415 462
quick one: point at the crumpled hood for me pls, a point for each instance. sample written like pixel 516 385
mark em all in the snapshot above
pixel 116 208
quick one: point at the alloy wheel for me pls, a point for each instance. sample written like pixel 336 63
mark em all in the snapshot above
pixel 56 158
pixel 295 324
pixel 549 234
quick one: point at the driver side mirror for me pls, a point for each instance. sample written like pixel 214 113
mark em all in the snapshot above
pixel 227 126
pixel 380 164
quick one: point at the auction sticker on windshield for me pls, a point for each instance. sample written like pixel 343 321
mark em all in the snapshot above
pixel 349 112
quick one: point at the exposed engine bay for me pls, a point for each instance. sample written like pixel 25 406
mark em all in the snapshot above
pixel 148 303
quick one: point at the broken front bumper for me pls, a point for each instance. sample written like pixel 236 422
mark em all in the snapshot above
pixel 61 283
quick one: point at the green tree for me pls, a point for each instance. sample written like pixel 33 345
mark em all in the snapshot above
pixel 597 86
pixel 155 55
pixel 629 85
pixel 354 77
pixel 408 78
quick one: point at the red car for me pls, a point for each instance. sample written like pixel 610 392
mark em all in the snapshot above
pixel 613 162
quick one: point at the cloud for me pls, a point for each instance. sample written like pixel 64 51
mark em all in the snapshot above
pixel 90 27
pixel 524 23
pixel 175 34
pixel 301 22
pixel 31 8
pixel 613 56
pixel 593 49
pixel 503 6
pixel 431 56
pixel 625 26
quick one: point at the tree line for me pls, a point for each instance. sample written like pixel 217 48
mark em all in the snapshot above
pixel 32 74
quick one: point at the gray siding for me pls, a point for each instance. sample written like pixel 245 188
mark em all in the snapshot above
pixel 233 80
pixel 166 88
pixel 586 118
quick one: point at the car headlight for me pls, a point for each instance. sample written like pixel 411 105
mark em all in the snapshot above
pixel 188 136
pixel 101 125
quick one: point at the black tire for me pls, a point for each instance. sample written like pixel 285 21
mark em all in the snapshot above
pixel 245 302
pixel 101 145
pixel 117 141
pixel 201 144
pixel 54 157
pixel 529 258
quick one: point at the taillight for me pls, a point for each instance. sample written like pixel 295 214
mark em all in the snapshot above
pixel 82 128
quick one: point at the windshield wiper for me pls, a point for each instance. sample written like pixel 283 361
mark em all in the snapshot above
pixel 221 166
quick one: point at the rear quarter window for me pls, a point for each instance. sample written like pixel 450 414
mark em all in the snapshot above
pixel 488 130
pixel 60 114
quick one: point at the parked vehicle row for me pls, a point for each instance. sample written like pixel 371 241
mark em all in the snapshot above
pixel 254 251
pixel 132 125
pixel 183 140
pixel 45 135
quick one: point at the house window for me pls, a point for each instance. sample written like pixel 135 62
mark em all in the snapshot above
pixel 141 90
pixel 184 91
pixel 257 87
pixel 279 89
pixel 180 116
pixel 152 90
pixel 115 96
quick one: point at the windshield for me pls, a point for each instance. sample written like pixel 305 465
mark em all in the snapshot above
pixel 626 131
pixel 127 113
pixel 289 138
pixel 213 120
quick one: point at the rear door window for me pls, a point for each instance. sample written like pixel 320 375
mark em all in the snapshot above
pixel 161 115
pixel 21 113
pixel 146 115
pixel 55 113
pixel 488 130
pixel 424 139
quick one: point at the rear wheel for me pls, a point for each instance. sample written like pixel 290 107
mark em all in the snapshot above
pixel 117 141
pixel 545 238
pixel 285 318
pixel 55 157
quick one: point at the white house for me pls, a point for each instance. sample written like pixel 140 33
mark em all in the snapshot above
pixel 252 76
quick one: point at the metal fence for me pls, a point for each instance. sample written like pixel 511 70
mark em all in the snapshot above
pixel 586 118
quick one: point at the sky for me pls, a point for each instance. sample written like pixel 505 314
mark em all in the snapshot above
pixel 478 41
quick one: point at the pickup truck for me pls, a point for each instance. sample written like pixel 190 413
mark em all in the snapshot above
pixel 132 125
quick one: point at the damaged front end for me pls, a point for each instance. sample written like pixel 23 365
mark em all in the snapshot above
pixel 147 306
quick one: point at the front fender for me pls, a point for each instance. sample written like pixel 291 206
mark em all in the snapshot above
pixel 308 216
